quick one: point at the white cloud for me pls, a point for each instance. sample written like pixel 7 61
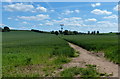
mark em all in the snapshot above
pixel 107 24
pixel 68 12
pixel 72 21
pixel 19 7
pixel 72 24
pixel 24 8
pixel 9 18
pixel 77 11
pixel 16 19
pixel 71 11
pixel 52 10
pixel 8 0
pixel 116 8
pixel 2 25
pixel 35 18
pixel 95 5
pixel 102 22
pixel 40 24
pixel 59 17
pixel 104 26
pixel 25 22
pixel 42 9
pixel 49 24
pixel 75 18
pixel 92 19
pixel 33 11
pixel 12 28
pixel 34 25
pixel 111 17
pixel 101 12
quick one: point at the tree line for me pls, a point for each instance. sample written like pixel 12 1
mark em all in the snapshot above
pixel 67 32
pixel 5 29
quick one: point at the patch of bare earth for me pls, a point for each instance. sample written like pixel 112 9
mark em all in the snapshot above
pixel 30 69
pixel 103 65
pixel 87 57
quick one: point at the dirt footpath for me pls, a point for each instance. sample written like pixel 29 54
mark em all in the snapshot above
pixel 103 65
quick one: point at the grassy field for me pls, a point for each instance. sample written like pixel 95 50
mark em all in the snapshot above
pixel 30 54
pixel 98 43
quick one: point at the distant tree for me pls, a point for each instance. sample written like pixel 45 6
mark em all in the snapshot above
pixel 97 32
pixel 65 32
pixel 80 33
pixel 60 31
pixel 94 32
pixel 52 32
pixel 37 31
pixel 6 29
pixel 75 32
pixel 88 32
pixel 56 32
pixel 32 30
pixel 70 32
pixel 118 33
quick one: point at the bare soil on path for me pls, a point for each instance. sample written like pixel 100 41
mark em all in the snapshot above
pixel 103 65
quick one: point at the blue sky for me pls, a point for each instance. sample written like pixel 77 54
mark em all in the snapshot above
pixel 47 16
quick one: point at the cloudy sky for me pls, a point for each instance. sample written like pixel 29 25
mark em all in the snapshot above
pixel 47 16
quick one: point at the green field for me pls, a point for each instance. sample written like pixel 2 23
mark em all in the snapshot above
pixel 33 54
pixel 98 43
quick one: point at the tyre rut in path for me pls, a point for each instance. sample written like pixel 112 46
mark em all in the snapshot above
pixel 103 65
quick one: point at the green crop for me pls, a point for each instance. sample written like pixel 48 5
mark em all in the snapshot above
pixel 24 51
pixel 98 43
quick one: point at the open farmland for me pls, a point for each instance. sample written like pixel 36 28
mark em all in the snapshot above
pixel 31 54
pixel 47 39
pixel 97 43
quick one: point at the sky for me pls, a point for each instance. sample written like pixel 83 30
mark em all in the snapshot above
pixel 47 16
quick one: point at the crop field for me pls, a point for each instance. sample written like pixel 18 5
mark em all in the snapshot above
pixel 98 43
pixel 30 54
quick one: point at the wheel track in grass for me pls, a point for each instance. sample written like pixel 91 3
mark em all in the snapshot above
pixel 103 65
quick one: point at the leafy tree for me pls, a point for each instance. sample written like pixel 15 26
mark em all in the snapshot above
pixel 75 32
pixel 65 32
pixel 60 31
pixel 56 32
pixel 70 33
pixel 52 32
pixel 36 31
pixel 94 32
pixel 88 32
pixel 97 32
pixel 6 29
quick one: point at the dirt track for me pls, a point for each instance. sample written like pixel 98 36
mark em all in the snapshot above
pixel 103 65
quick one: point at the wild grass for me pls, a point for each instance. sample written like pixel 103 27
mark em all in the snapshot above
pixel 90 72
pixel 24 49
pixel 98 43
